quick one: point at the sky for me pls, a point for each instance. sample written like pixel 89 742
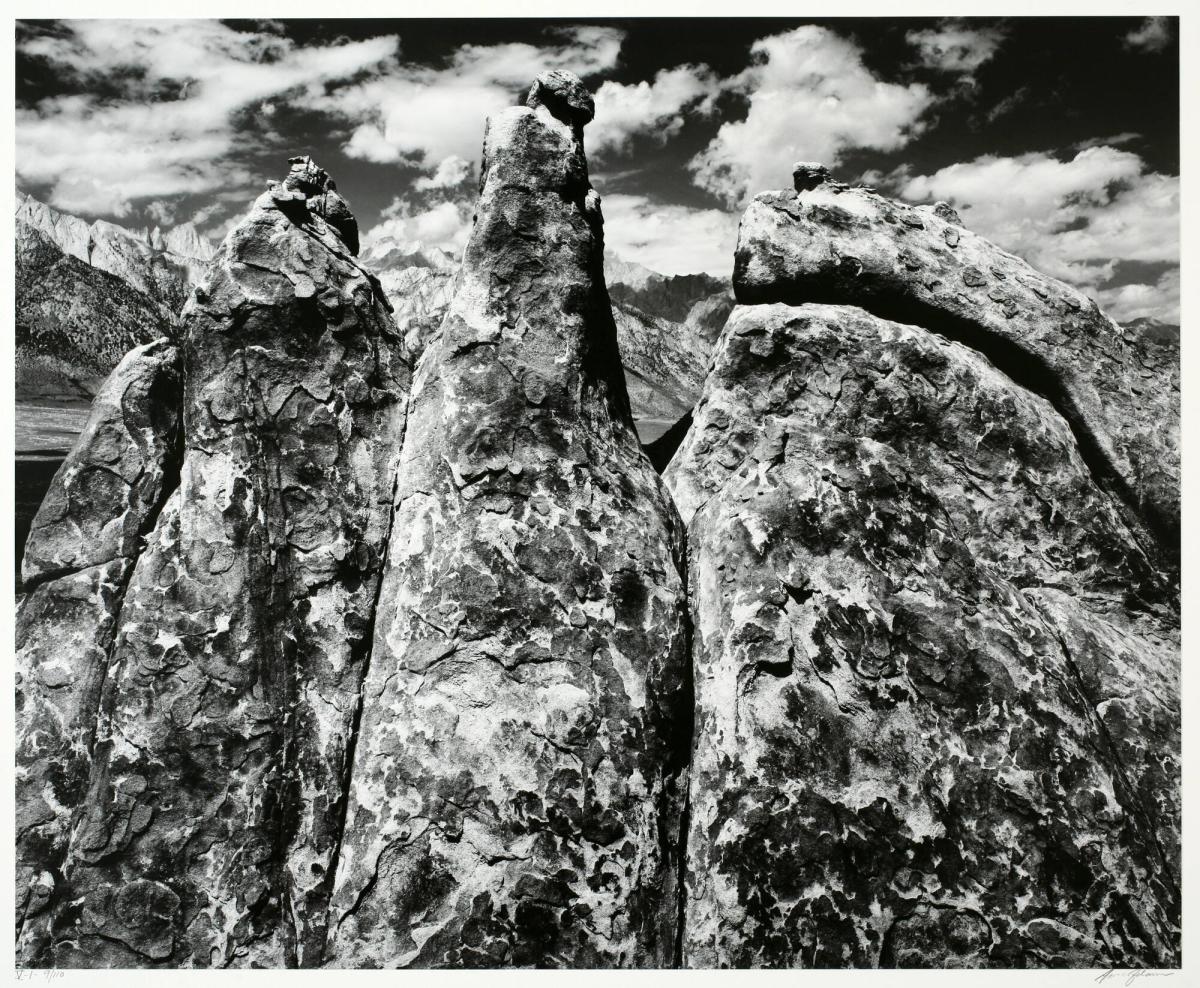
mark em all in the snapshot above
pixel 1057 138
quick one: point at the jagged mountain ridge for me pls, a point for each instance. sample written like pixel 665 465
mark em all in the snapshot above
pixel 666 324
pixel 87 293
pixel 164 265
pixel 74 322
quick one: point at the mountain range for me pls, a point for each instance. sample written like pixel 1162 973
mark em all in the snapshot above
pixel 87 293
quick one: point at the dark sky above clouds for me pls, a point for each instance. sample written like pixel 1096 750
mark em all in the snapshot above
pixel 1056 137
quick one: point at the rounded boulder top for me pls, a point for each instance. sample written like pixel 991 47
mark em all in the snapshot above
pixel 564 95
pixel 808 175
pixel 306 175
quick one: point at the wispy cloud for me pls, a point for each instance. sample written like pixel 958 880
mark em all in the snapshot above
pixel 809 96
pixel 413 225
pixel 166 124
pixel 669 238
pixel 956 47
pixel 1113 140
pixel 1154 300
pixel 656 108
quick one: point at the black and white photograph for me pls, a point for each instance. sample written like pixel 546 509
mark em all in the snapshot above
pixel 618 491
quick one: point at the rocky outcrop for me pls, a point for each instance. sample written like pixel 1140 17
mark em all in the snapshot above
pixel 936 650
pixel 356 637
pixel 918 264
pixel 665 335
pixel 209 828
pixel 517 784
pixel 110 487
pixel 83 544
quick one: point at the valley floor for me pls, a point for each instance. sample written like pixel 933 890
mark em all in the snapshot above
pixel 45 431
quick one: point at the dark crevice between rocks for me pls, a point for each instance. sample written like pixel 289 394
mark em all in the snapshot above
pixel 662 450
pixel 686 746
pixel 50 575
pixel 1158 534
pixel 601 361
pixel 356 718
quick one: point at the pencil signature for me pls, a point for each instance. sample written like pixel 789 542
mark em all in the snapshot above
pixel 1129 977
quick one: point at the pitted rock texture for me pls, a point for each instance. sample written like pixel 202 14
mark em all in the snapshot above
pixel 64 633
pixel 936 673
pixel 209 829
pixel 517 785
pixel 917 264
pixel 353 639
pixel 84 540
pixel 110 487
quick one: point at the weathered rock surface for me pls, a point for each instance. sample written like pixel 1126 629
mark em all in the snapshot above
pixel 917 264
pixel 64 634
pixel 82 546
pixel 361 633
pixel 937 709
pixel 517 785
pixel 208 833
pixel 110 487
pixel 666 326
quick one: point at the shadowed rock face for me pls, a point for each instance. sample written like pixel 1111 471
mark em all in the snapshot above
pixel 936 663
pixel 81 549
pixel 917 264
pixel 210 825
pixel 517 780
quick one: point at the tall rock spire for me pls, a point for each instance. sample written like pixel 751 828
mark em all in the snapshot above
pixel 210 824
pixel 517 784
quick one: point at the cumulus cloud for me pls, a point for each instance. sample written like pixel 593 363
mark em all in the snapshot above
pixel 810 97
pixel 655 107
pixel 669 238
pixel 406 112
pixel 1153 34
pixel 956 46
pixel 450 172
pixel 665 237
pixel 1159 300
pixel 170 128
pixel 1074 219
pixel 414 225
pixel 161 211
